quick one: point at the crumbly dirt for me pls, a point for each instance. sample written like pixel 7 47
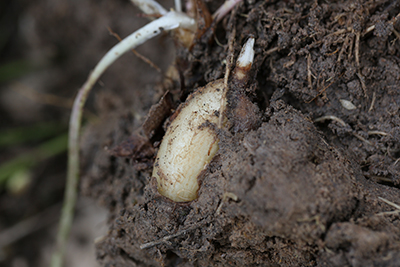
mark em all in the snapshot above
pixel 309 185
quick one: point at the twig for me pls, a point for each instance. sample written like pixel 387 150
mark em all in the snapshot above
pixel 331 117
pixel 270 51
pixel 323 90
pixel 344 46
pixel 309 72
pixel 372 27
pixel 228 67
pixel 363 86
pixel 166 239
pixel 357 56
pixel 362 138
pixel 372 102
pixel 369 29
pixel 338 32
pixel 397 35
pixel 351 47
pixel 377 133
pixel 380 179
pixel 357 50
pixel 218 42
pixel 225 197
pixel 332 53
pixel 390 203
pixel 395 212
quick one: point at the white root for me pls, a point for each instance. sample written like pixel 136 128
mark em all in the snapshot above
pixel 170 21
pixel 191 142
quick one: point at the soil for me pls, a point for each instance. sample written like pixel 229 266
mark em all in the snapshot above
pixel 308 186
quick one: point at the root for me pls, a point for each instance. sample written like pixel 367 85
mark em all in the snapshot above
pixel 363 86
pixel 145 59
pixel 324 89
pixel 228 67
pixel 166 239
pixel 372 102
pixel 331 117
pixel 309 72
pixel 396 206
pixel 362 138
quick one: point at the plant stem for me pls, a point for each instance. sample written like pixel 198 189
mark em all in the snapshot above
pixel 150 7
pixel 227 6
pixel 178 5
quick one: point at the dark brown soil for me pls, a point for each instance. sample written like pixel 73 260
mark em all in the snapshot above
pixel 308 186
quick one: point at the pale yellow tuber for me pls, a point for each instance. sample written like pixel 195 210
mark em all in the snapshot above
pixel 188 145
pixel 191 141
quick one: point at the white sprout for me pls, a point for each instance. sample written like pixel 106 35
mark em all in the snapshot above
pixel 246 56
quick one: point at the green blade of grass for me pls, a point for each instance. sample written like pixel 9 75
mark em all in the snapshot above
pixel 35 132
pixel 26 160
pixel 15 69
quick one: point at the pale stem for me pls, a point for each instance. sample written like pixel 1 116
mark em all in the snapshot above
pixel 178 5
pixel 171 20
pixel 225 9
pixel 150 7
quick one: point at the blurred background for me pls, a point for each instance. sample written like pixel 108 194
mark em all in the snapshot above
pixel 47 49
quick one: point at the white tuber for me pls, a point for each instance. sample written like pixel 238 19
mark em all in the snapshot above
pixel 188 145
pixel 191 142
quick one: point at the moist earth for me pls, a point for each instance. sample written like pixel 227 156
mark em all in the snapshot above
pixel 315 183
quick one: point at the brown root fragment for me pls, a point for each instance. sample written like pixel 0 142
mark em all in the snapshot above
pixel 204 19
pixel 331 117
pixel 362 81
pixel 242 114
pixel 228 67
pixel 357 50
pixel 309 72
pixel 157 114
pixel 372 102
pixel 137 148
pixel 166 239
